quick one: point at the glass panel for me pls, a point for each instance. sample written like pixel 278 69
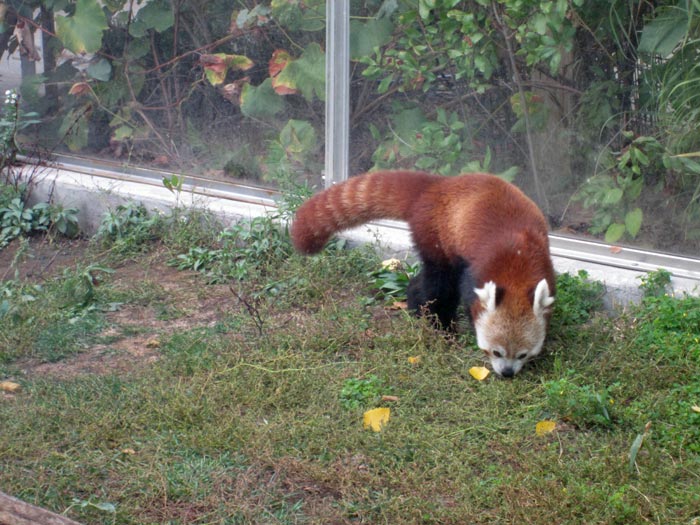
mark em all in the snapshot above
pixel 590 106
pixel 219 89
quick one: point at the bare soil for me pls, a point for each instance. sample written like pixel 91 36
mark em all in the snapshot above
pixel 174 300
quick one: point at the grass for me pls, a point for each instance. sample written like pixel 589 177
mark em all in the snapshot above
pixel 256 416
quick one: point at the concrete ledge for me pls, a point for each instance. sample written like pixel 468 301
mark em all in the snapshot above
pixel 95 191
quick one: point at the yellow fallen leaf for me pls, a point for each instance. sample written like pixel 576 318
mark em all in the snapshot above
pixel 545 427
pixel 414 359
pixel 479 372
pixel 153 342
pixel 695 408
pixel 9 386
pixel 376 418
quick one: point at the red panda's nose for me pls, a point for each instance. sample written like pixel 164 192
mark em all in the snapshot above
pixel 507 372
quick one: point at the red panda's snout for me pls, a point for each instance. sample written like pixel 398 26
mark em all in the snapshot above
pixel 511 337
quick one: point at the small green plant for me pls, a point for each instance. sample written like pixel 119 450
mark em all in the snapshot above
pixel 18 220
pixel 245 247
pixel 358 393
pixel 577 299
pixel 128 228
pixel 393 277
pixel 583 405
pixel 613 194
pixel 656 283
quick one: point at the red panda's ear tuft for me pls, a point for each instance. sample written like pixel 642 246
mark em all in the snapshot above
pixel 487 296
pixel 543 300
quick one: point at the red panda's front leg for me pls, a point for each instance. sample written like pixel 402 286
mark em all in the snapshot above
pixel 436 291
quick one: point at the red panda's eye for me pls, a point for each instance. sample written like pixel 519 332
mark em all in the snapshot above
pixel 497 353
pixel 522 356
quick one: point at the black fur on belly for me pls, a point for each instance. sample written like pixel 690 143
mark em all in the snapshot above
pixel 439 289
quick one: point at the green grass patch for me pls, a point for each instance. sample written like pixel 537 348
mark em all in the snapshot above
pixel 257 417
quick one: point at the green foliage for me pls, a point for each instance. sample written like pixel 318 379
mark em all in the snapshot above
pixel 360 393
pixel 584 405
pixel 218 402
pixel 245 248
pixel 128 228
pixel 19 220
pixel 613 195
pixel 656 283
pixel 392 279
pixel 577 299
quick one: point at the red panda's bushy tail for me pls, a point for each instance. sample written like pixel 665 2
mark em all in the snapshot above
pixel 360 199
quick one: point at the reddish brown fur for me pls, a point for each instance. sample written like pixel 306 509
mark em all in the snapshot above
pixel 477 218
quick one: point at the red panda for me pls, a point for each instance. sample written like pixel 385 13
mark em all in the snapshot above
pixel 482 242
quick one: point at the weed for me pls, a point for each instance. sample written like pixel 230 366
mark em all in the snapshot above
pixel 17 220
pixel 128 229
pixel 393 277
pixel 583 405
pixel 244 248
pixel 577 299
pixel 357 393
pixel 655 284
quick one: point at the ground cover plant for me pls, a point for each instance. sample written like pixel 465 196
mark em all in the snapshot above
pixel 153 394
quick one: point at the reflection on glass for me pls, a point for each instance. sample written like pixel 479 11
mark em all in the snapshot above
pixel 590 107
pixel 226 90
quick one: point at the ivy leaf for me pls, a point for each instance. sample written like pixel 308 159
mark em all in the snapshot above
pixel 260 101
pixel 156 14
pixel 81 32
pixel 364 38
pixel 633 221
pixel 217 66
pixel 615 232
pixel 307 74
pixel 102 70
pixel 376 418
pixel 279 61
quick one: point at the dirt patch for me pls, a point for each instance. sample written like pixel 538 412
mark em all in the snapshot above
pixel 39 258
pixel 160 300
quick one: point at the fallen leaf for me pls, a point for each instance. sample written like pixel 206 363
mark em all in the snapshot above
pixel 376 418
pixel 390 398
pixel 695 408
pixel 545 427
pixel 9 386
pixel 479 372
pixel 415 359
pixel 615 249
pixel 129 451
pixel 153 342
pixel 398 305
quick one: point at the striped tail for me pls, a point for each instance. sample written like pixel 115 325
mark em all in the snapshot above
pixel 360 199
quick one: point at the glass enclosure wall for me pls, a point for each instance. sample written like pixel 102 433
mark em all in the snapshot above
pixel 591 106
pixel 219 89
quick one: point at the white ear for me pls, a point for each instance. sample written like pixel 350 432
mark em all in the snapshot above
pixel 487 296
pixel 542 298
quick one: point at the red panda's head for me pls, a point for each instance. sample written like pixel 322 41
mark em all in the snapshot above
pixel 511 330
